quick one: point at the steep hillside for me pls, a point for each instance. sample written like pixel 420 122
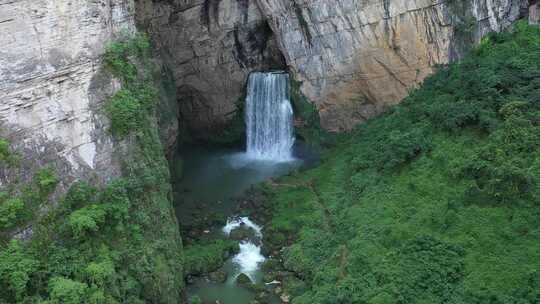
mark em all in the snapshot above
pixel 437 201
pixel 118 243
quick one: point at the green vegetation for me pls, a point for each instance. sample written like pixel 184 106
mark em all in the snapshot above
pixel 113 244
pixel 437 201
pixel 308 126
pixel 130 106
pixel 202 258
pixel 123 57
pixel 7 157
pixel 18 207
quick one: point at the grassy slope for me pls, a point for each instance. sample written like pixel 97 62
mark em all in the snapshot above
pixel 436 201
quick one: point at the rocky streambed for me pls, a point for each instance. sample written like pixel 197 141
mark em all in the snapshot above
pixel 216 204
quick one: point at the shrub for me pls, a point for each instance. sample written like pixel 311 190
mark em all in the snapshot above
pixel 67 291
pixel 16 268
pixel 12 212
pixel 6 156
pixel 205 258
pixel 119 55
pixel 427 268
pixel 502 169
pixel 86 220
pixel 128 109
pixel 392 149
pixel 100 272
pixel 79 194
pixel 46 181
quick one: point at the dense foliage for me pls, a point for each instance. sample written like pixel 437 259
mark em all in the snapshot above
pixel 19 205
pixel 437 201
pixel 113 244
pixel 205 257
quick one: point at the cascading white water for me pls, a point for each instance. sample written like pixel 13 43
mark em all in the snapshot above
pixel 269 117
pixel 238 222
pixel 249 257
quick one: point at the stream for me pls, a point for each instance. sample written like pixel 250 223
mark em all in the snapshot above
pixel 212 181
pixel 209 183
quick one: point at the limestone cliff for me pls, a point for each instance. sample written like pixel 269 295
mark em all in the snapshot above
pixel 356 57
pixel 211 46
pixel 353 57
pixel 534 12
pixel 52 84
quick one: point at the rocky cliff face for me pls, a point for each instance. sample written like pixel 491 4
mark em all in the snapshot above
pixel 534 12
pixel 52 84
pixel 211 46
pixel 356 57
pixel 353 57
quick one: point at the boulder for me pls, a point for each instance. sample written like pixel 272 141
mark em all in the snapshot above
pixel 219 276
pixel 243 280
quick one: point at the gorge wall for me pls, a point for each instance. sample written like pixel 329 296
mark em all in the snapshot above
pixel 52 85
pixel 534 12
pixel 210 46
pixel 356 57
pixel 353 57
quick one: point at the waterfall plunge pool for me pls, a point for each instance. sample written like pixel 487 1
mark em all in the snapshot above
pixel 210 186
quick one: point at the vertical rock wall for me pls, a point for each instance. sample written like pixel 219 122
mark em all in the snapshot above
pixel 356 57
pixel 52 84
pixel 534 12
pixel 353 57
pixel 210 46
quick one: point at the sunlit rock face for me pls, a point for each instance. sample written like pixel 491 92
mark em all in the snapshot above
pixel 356 57
pixel 52 85
pixel 534 12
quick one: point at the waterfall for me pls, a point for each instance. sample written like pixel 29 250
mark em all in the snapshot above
pixel 269 117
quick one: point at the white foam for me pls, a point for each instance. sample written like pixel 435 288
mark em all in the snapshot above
pixel 239 221
pixel 269 117
pixel 249 259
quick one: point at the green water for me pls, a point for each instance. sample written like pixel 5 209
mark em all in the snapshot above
pixel 212 178
pixel 210 182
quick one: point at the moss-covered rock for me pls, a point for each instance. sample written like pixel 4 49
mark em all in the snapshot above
pixel 207 257
pixel 307 122
pixel 243 280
